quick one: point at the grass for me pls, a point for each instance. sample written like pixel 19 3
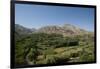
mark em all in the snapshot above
pixel 68 54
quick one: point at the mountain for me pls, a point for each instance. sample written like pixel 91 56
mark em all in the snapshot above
pixel 65 30
pixel 21 31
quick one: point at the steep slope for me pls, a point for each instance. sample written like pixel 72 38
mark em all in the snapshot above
pixel 21 31
pixel 66 30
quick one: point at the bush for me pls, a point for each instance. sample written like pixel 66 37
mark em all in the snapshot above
pixel 74 54
pixel 50 59
pixel 86 58
pixel 72 43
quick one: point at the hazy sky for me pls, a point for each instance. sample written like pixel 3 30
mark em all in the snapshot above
pixel 36 16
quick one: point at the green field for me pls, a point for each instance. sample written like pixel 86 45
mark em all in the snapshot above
pixel 42 48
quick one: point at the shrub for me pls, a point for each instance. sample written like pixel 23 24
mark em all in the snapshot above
pixel 50 59
pixel 74 54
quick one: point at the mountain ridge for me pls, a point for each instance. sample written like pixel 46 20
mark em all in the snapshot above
pixel 66 30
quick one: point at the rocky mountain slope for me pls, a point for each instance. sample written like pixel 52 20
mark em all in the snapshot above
pixel 66 30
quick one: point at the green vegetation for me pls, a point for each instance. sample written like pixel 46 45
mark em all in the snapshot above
pixel 42 48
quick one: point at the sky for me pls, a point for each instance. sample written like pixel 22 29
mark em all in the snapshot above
pixel 37 16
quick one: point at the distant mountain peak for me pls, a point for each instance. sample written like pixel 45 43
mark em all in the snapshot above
pixel 66 30
pixel 23 30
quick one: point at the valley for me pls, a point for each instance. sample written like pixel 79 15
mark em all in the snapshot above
pixel 53 45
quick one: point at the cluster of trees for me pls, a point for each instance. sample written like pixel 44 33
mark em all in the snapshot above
pixel 28 48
